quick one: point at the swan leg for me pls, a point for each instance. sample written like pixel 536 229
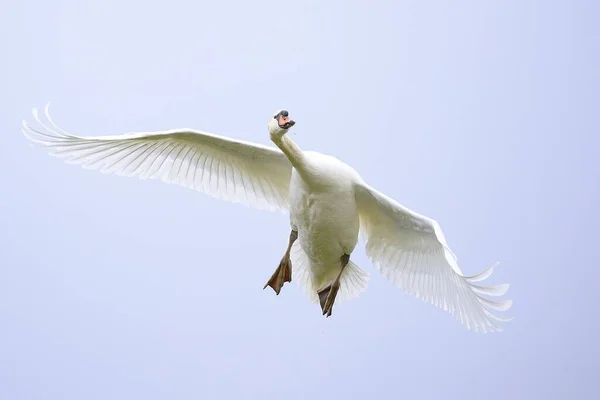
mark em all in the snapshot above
pixel 283 273
pixel 327 294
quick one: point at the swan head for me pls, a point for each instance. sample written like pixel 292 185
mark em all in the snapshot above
pixel 280 123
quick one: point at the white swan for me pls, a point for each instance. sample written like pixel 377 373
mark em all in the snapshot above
pixel 328 203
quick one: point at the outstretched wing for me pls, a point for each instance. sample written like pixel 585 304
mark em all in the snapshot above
pixel 410 250
pixel 228 169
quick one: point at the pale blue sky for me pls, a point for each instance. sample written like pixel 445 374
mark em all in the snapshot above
pixel 480 114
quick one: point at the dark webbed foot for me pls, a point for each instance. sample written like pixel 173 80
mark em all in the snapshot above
pixel 327 298
pixel 328 294
pixel 283 273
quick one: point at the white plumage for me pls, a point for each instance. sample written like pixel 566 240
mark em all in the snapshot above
pixel 328 203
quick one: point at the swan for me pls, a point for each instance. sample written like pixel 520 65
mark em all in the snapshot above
pixel 330 206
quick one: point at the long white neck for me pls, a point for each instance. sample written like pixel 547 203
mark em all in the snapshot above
pixel 291 151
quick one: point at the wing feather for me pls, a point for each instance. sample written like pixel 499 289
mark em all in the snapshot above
pixel 228 169
pixel 411 251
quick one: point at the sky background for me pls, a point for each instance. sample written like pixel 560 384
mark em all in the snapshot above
pixel 482 115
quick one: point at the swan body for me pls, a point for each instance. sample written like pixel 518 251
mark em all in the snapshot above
pixel 324 212
pixel 330 206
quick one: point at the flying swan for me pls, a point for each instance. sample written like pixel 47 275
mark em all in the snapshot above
pixel 329 205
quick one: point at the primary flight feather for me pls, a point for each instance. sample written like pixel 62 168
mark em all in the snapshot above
pixel 329 206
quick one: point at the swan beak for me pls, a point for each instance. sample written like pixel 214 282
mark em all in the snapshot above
pixel 289 124
pixel 284 121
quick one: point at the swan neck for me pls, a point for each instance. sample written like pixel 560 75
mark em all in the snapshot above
pixel 291 150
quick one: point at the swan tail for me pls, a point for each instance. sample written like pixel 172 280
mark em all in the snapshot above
pixel 352 282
